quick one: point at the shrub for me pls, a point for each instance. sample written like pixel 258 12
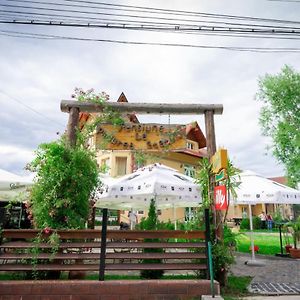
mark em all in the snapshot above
pixel 245 224
pixel 151 223
pixel 65 178
pixel 256 223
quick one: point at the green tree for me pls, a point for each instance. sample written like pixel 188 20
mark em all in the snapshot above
pixel 280 118
pixel 151 223
pixel 65 178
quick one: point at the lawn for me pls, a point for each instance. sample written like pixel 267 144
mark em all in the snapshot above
pixel 268 243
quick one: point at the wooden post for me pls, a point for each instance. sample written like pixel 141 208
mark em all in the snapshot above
pixel 72 125
pixel 210 133
pixel 103 245
pixel 211 150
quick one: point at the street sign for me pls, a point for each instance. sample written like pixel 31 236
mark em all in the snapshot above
pixel 219 160
pixel 221 175
pixel 220 197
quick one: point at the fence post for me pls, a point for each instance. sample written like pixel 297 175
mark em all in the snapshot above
pixel 211 271
pixel 207 238
pixel 103 245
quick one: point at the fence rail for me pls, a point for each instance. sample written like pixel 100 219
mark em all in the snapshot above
pixel 80 250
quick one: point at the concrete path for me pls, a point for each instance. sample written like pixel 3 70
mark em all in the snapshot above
pixel 285 297
pixel 277 275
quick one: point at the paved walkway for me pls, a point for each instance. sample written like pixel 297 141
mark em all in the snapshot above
pixel 285 297
pixel 277 275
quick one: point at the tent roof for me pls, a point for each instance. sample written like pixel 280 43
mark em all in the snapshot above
pixel 255 188
pixel 167 186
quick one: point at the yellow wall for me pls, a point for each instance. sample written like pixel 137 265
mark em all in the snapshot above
pixel 111 155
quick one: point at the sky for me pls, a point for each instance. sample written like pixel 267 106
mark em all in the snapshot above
pixel 36 74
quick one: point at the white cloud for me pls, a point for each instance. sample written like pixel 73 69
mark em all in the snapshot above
pixel 15 158
pixel 41 73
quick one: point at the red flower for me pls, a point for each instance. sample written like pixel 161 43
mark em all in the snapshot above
pixel 256 248
pixel 47 230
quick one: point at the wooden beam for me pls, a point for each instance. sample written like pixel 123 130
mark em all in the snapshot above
pixel 144 108
pixel 72 125
pixel 210 133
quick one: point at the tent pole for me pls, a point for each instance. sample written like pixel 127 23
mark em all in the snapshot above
pixel 251 232
pixel 174 217
pixel 103 245
pixel 252 261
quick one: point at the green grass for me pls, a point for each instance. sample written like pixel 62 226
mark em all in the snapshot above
pixel 268 244
pixel 236 287
pixel 64 276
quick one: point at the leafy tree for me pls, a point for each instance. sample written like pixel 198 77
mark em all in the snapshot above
pixel 151 223
pixel 65 178
pixel 280 118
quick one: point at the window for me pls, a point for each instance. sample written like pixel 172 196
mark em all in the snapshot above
pixel 190 145
pixel 121 166
pixel 189 170
pixel 105 166
pixel 140 212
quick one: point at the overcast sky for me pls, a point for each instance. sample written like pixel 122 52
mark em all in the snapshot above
pixel 35 75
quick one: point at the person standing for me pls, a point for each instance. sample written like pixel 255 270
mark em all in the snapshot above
pixel 269 222
pixel 133 219
pixel 263 219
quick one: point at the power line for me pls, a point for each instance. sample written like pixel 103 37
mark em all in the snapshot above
pixel 136 16
pixel 231 48
pixel 31 109
pixel 196 31
pixel 182 11
pixel 192 29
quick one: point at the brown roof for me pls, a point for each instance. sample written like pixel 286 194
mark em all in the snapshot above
pixel 197 153
pixel 131 117
pixel 194 133
pixel 282 179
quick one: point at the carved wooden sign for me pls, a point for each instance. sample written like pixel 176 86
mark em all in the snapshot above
pixel 140 137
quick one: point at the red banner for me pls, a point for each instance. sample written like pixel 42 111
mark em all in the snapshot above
pixel 220 197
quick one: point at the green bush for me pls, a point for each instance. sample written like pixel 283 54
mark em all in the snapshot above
pixel 245 224
pixel 65 178
pixel 151 223
pixel 229 237
pixel 257 224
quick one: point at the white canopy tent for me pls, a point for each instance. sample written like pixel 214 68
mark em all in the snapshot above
pixel 168 187
pixel 12 185
pixel 255 189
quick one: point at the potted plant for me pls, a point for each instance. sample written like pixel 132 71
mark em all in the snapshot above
pixel 295 230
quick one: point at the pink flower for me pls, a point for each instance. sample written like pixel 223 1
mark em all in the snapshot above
pixel 47 230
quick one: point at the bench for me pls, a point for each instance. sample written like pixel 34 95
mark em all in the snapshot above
pixel 79 250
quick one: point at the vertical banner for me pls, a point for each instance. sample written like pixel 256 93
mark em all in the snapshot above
pixel 220 197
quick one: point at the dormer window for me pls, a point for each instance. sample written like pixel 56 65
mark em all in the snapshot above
pixel 191 145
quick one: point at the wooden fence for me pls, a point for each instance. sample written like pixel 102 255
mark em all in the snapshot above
pixel 83 250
